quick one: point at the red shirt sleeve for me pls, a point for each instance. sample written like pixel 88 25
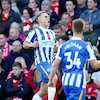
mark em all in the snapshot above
pixel 30 82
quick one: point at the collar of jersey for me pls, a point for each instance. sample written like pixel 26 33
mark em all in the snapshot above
pixel 43 28
pixel 76 38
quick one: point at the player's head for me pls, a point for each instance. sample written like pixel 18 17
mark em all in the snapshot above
pixel 43 18
pixel 78 26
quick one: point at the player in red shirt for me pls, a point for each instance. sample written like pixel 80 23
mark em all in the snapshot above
pixel 91 87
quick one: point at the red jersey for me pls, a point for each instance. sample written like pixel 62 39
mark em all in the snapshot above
pixel 91 89
pixel 55 8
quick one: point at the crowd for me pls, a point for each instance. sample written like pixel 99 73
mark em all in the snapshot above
pixel 20 22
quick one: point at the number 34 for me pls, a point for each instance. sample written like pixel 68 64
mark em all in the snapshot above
pixel 75 61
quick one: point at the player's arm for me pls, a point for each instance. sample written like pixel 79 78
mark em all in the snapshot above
pixel 92 58
pixel 30 40
pixel 95 63
pixel 54 69
pixel 27 44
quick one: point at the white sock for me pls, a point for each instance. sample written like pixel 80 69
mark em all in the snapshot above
pixel 36 97
pixel 51 93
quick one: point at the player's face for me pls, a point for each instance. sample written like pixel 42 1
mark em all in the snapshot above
pixel 44 19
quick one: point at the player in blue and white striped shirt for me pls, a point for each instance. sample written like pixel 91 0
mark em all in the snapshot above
pixel 43 41
pixel 72 56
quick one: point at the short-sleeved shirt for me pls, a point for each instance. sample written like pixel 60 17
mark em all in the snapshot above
pixel 46 38
pixel 73 55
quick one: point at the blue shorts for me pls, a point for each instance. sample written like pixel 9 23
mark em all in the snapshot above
pixel 74 93
pixel 44 69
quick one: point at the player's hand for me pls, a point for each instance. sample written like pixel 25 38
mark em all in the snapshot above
pixel 50 84
pixel 35 44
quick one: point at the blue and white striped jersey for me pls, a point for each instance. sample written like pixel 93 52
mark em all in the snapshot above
pixel 73 55
pixel 46 39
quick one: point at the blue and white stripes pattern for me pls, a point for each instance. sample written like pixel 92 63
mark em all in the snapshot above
pixel 46 39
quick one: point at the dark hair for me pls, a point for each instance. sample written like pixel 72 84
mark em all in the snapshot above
pixel 73 1
pixel 78 25
pixel 3 34
pixel 9 1
pixel 57 26
pixel 1 49
pixel 30 11
pixel 95 1
pixel 15 64
pixel 64 37
pixel 66 13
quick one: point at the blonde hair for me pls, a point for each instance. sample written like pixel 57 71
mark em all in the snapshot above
pixel 22 61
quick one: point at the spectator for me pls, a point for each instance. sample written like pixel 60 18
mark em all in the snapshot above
pixel 62 7
pixel 54 18
pixel 16 52
pixel 92 15
pixel 91 87
pixel 4 45
pixel 7 16
pixel 2 77
pixel 33 79
pixel 16 86
pixel 70 8
pixel 66 20
pixel 22 61
pixel 58 31
pixel 98 4
pixel 22 4
pixel 24 66
pixel 27 21
pixel 95 76
pixel 14 6
pixel 55 6
pixel 14 34
pixel 33 4
pixel 89 35
pixel 80 7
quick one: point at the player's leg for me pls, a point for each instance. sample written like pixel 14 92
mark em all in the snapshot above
pixel 44 69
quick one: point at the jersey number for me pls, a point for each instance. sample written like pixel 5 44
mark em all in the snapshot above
pixel 75 61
